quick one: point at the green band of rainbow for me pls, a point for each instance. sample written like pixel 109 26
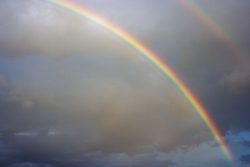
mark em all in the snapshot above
pixel 157 62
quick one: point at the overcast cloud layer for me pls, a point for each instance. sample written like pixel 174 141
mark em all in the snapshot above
pixel 72 94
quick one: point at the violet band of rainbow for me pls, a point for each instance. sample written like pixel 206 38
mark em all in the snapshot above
pixel 155 61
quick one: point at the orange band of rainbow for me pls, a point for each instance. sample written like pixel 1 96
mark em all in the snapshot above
pixel 157 62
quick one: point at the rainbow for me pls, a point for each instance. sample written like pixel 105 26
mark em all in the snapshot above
pixel 157 62
pixel 216 29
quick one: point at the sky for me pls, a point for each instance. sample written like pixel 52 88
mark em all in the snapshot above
pixel 72 94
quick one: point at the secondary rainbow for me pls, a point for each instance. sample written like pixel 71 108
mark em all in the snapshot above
pixel 216 29
pixel 157 62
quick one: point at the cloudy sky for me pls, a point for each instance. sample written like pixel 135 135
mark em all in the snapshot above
pixel 74 95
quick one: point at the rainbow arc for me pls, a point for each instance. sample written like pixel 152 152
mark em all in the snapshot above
pixel 155 60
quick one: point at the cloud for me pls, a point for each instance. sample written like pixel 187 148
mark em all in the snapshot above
pixel 105 111
pixel 112 111
pixel 204 154
pixel 125 112
pixel 246 143
pixel 2 81
pixel 39 28
pixel 29 164
pixel 28 104
pixel 245 159
pixel 237 82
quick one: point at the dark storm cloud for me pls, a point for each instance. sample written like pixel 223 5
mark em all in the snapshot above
pixel 227 100
pixel 2 81
pixel 237 82
pixel 246 143
pixel 245 159
pixel 29 164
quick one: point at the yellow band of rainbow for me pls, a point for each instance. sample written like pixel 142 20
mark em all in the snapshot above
pixel 157 62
